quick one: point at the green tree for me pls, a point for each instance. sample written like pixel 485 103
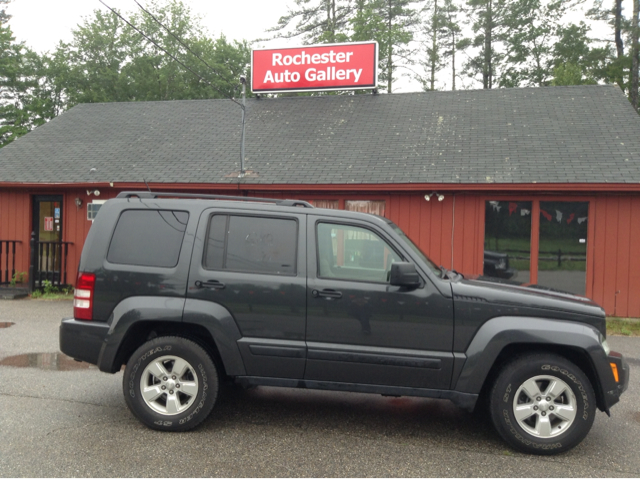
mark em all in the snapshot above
pixel 108 60
pixel 316 21
pixel 576 61
pixel 441 40
pixel 391 23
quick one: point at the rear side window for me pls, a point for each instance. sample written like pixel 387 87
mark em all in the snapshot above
pixel 252 244
pixel 148 238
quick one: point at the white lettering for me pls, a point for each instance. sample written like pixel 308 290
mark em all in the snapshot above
pixel 356 74
pixel 349 56
pixel 287 60
pixel 325 57
pixel 310 74
pixel 340 74
pixel 306 58
pixel 321 76
pixel 315 58
pixel 298 62
pixel 268 77
pixel 332 56
pixel 340 57
pixel 295 77
pixel 276 59
pixel 279 77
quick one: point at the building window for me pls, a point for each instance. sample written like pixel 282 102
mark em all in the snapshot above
pixel 329 204
pixel 507 240
pixel 93 208
pixel 562 254
pixel 374 207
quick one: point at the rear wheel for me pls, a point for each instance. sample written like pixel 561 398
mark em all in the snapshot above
pixel 542 404
pixel 170 384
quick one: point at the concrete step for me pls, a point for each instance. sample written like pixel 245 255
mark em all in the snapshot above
pixel 13 292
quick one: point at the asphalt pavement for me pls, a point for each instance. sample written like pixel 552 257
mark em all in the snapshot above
pixel 62 418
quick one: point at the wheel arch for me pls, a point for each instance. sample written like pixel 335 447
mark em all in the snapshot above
pixel 503 339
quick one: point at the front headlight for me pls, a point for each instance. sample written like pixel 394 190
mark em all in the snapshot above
pixel 605 345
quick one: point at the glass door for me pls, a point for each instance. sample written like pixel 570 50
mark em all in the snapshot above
pixel 47 225
pixel 562 254
pixel 507 240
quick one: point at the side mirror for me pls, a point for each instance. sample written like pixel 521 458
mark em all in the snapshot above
pixel 404 274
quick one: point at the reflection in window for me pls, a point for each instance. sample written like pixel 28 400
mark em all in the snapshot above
pixel 353 253
pixel 252 244
pixel 507 240
pixel 562 256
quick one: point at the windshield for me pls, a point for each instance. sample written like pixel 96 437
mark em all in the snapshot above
pixel 437 271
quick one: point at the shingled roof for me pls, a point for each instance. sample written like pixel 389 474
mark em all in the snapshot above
pixel 581 134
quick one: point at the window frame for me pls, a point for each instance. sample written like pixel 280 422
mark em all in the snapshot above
pixel 371 230
pixel 229 214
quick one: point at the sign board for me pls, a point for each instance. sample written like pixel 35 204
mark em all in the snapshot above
pixel 48 223
pixel 340 66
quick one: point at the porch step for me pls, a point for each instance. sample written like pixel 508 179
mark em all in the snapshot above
pixel 9 292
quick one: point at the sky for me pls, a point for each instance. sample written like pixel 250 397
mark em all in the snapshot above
pixel 41 24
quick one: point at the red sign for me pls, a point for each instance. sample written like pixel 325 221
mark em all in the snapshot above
pixel 48 223
pixel 341 66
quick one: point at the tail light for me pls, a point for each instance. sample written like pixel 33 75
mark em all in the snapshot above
pixel 83 296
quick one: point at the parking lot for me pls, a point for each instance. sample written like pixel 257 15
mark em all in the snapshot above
pixel 62 418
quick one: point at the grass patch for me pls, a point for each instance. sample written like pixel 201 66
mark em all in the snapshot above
pixel 49 291
pixel 623 327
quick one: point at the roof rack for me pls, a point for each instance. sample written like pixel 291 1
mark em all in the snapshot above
pixel 149 194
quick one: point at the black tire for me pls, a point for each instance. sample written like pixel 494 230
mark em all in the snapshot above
pixel 553 399
pixel 178 400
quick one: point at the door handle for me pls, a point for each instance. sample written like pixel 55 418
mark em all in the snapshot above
pixel 326 293
pixel 211 284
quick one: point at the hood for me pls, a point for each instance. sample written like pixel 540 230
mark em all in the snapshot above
pixel 508 298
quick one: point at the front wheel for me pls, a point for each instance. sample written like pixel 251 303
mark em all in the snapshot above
pixel 170 384
pixel 542 404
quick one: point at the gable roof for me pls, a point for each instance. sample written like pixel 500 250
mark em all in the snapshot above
pixel 581 134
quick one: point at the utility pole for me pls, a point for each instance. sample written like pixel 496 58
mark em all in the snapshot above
pixel 243 81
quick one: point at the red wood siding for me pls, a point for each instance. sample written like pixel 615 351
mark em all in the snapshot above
pixel 451 231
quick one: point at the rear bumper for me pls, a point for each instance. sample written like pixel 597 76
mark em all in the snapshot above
pixel 83 340
pixel 615 389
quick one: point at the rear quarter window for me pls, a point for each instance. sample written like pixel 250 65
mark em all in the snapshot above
pixel 148 238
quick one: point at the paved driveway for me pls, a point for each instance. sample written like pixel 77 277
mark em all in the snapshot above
pixel 58 420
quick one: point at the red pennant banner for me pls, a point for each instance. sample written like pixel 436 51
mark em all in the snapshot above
pixel 570 218
pixel 512 207
pixel 545 214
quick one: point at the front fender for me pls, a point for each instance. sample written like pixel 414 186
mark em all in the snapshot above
pixel 498 333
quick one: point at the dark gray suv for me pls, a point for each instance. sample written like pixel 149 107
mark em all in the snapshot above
pixel 187 291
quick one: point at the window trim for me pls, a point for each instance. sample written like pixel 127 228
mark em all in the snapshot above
pixel 224 268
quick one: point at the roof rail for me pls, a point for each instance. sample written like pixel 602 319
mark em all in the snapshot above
pixel 149 194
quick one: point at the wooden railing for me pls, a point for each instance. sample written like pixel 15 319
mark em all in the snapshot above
pixel 7 260
pixel 48 263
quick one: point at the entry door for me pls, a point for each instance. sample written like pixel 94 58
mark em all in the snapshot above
pixel 47 225
pixel 360 329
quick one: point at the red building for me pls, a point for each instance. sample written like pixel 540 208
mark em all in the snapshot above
pixel 534 185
